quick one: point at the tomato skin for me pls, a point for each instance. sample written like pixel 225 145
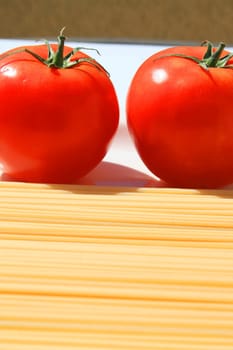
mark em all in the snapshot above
pixel 55 124
pixel 181 119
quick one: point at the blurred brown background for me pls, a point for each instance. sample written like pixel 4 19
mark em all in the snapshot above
pixel 119 20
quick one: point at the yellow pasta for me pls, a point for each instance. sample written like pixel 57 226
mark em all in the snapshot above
pixel 93 268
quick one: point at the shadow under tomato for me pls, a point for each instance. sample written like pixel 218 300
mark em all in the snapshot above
pixel 110 174
pixel 109 178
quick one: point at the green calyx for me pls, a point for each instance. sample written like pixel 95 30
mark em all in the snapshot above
pixel 57 59
pixel 212 58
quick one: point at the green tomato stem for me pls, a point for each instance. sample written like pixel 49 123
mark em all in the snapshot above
pixel 213 60
pixel 58 57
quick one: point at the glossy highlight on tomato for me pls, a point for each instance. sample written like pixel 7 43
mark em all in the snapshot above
pixel 57 119
pixel 180 115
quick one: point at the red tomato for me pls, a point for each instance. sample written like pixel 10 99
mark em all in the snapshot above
pixel 55 123
pixel 181 117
